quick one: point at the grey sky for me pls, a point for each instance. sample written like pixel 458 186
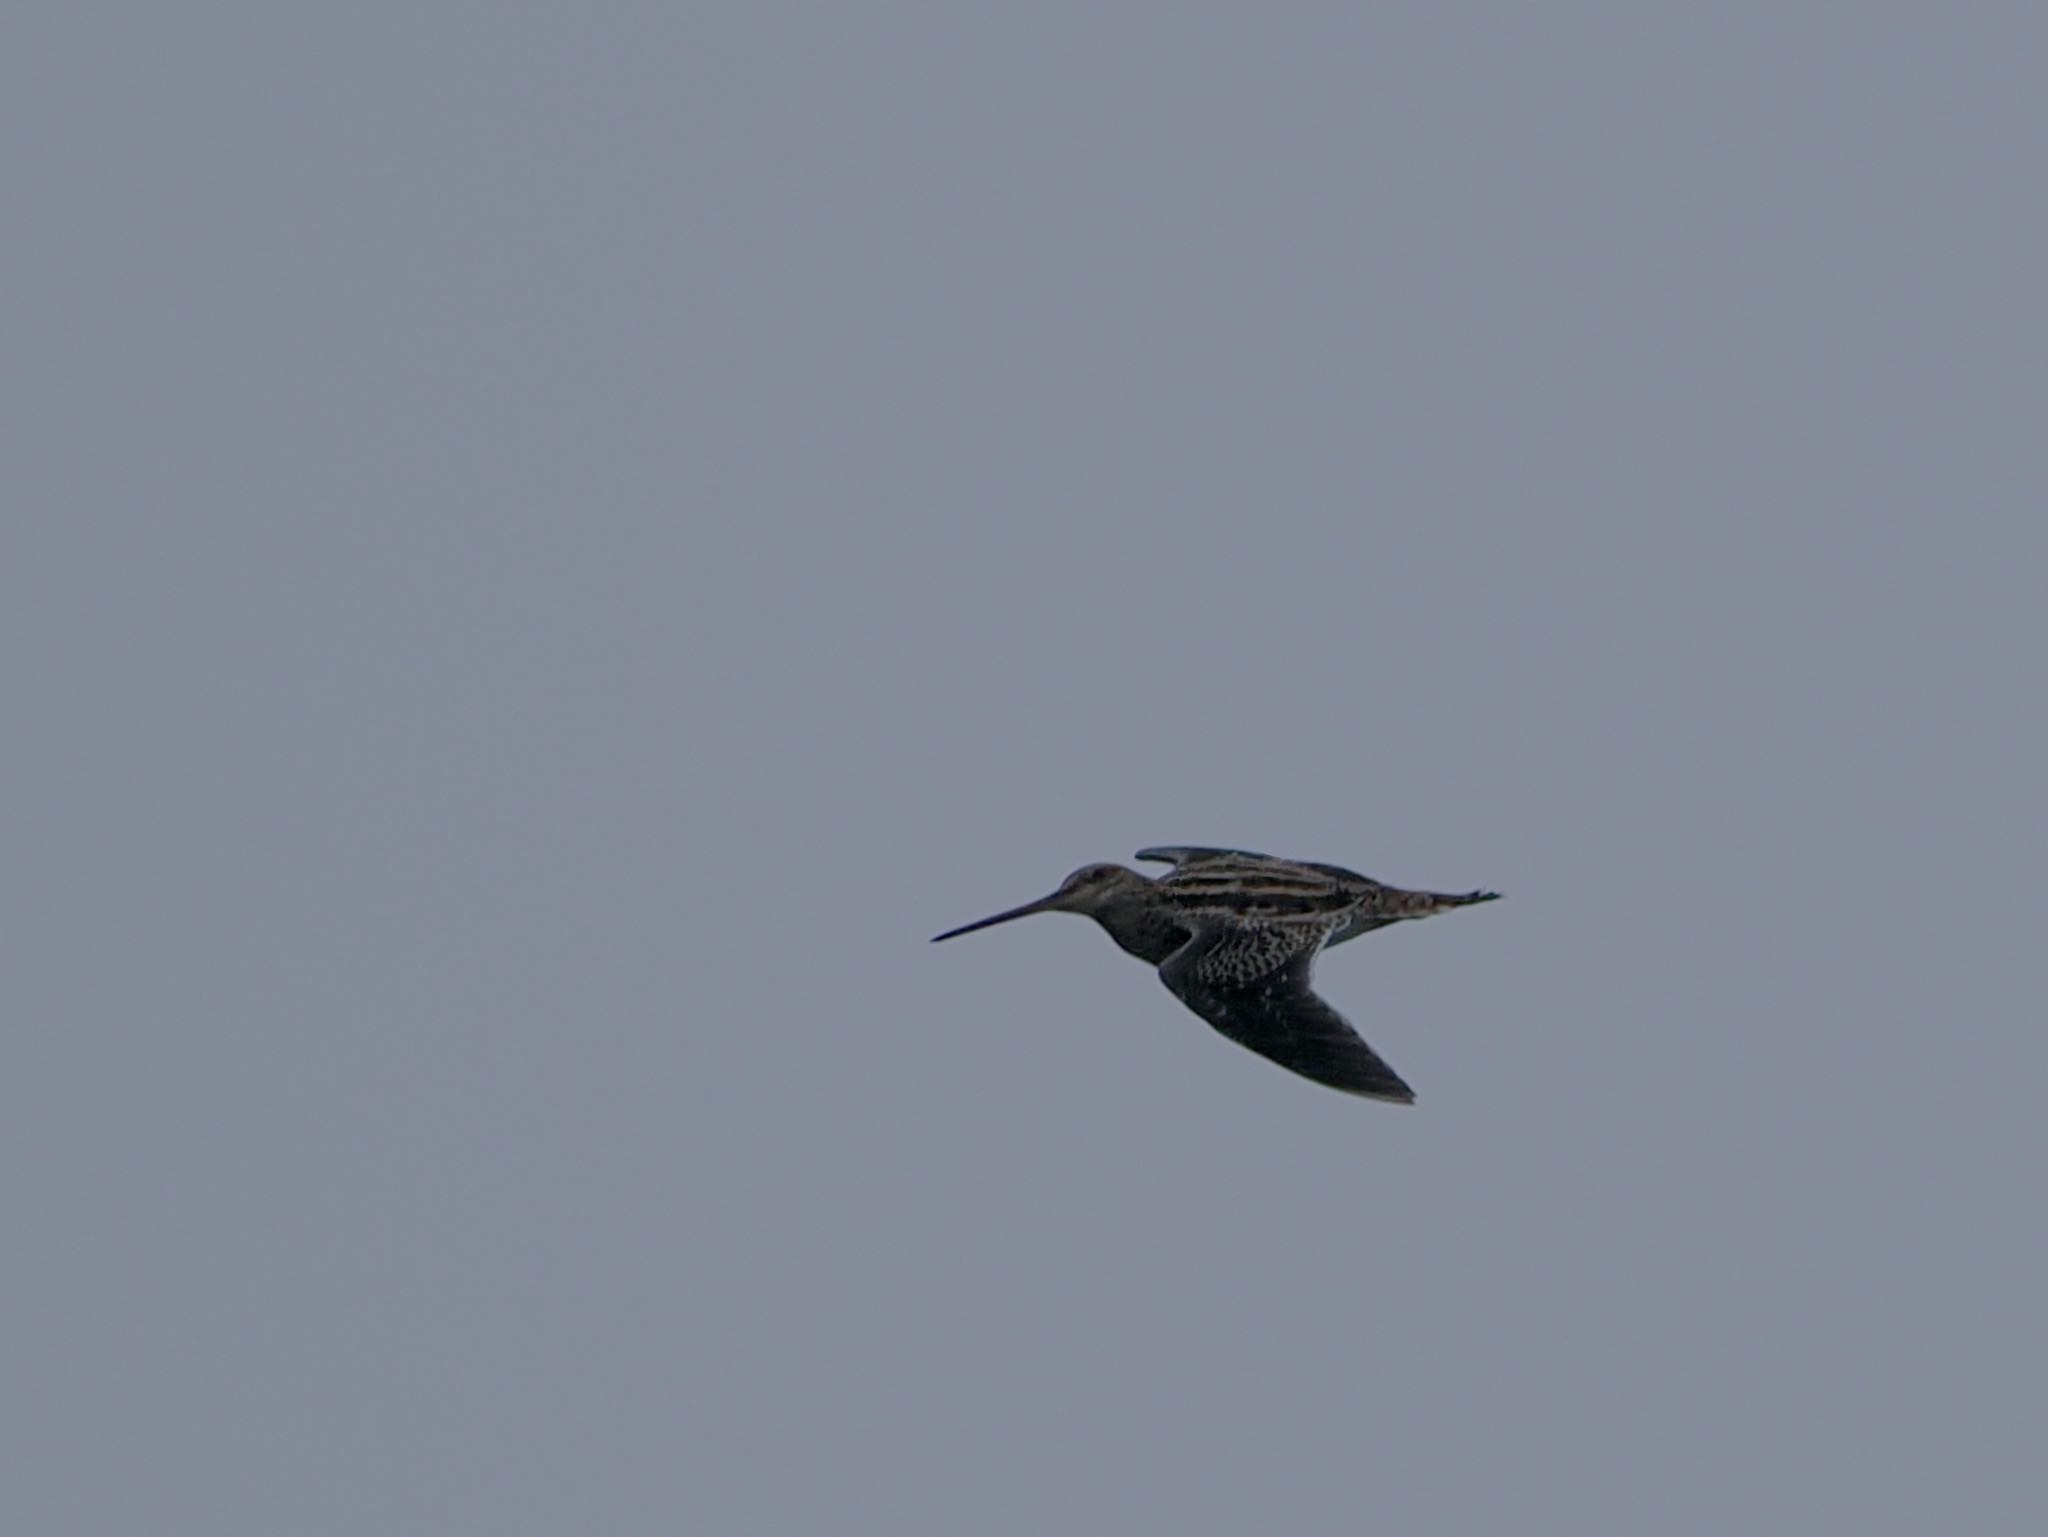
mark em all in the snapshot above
pixel 547 549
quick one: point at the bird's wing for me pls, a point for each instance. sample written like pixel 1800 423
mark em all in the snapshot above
pixel 1189 855
pixel 1252 982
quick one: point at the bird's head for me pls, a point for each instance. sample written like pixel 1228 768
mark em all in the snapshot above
pixel 1088 890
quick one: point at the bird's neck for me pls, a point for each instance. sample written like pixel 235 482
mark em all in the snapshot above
pixel 1142 930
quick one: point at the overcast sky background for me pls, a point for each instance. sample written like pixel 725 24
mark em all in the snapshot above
pixel 547 549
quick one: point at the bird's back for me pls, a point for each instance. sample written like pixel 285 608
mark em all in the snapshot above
pixel 1261 885
pixel 1236 882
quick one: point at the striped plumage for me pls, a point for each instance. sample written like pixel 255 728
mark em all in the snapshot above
pixel 1235 936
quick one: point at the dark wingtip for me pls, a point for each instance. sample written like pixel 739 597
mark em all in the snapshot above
pixel 1387 1089
pixel 1401 1096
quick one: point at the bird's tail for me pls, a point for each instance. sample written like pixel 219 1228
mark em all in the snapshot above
pixel 1391 904
pixel 1421 904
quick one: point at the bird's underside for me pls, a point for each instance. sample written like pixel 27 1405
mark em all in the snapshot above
pixel 1235 935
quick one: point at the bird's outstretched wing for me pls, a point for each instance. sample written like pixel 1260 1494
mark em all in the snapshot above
pixel 1252 982
pixel 1190 855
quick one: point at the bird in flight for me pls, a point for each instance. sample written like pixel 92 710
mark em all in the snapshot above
pixel 1235 936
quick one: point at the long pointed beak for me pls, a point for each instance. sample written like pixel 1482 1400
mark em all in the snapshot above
pixel 1042 905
